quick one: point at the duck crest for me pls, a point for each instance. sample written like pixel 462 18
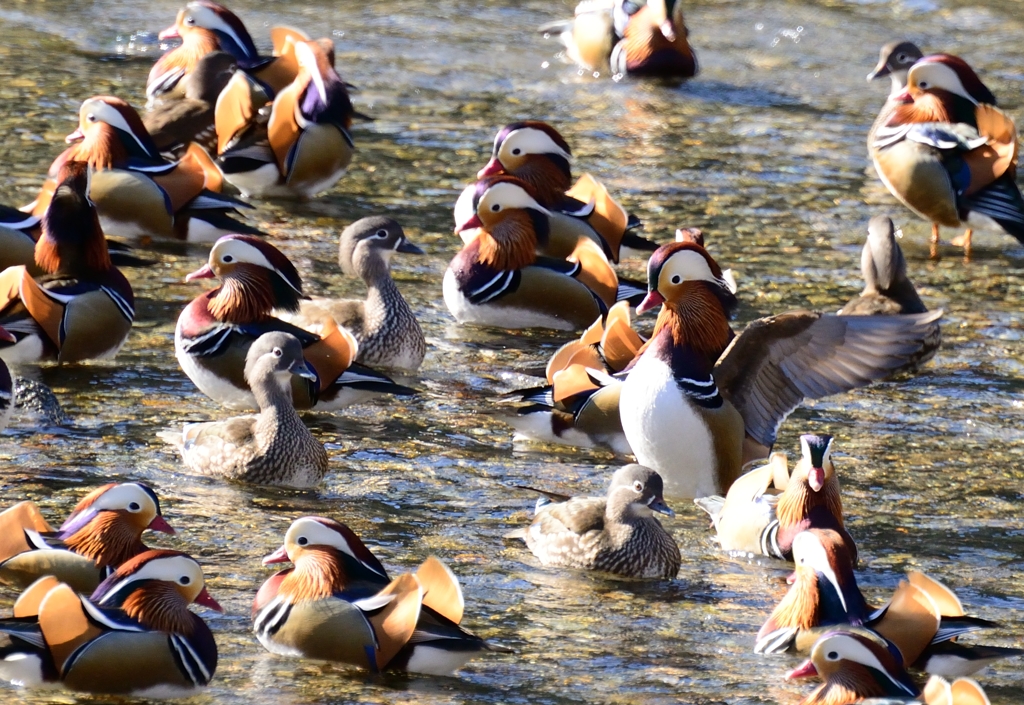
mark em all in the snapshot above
pixel 512 243
pixel 158 605
pixel 107 540
pixel 318 574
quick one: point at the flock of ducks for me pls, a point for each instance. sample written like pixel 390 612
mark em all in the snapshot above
pixel 698 404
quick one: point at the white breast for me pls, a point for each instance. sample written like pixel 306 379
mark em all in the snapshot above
pixel 666 432
pixel 220 390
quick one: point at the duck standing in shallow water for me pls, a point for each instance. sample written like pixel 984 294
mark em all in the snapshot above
pixel 134 636
pixel 383 324
pixel 103 531
pixel 273 447
pixel 83 307
pixel 614 534
pixel 214 332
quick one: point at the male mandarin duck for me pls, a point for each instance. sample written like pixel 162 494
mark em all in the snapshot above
pixel 498 279
pixel 338 604
pixel 83 307
pixel 6 385
pixel 136 191
pixel 535 152
pixel 305 145
pixel 753 520
pixel 628 37
pixel 173 124
pixel 18 235
pixel 215 331
pixel 894 61
pixel 273 447
pixel 104 530
pixel 947 152
pixel 613 534
pixel 133 636
pixel 383 325
pixel 923 618
pixel 204 27
pixel 699 399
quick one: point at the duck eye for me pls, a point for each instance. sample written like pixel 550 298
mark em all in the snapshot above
pixel 302 540
pixel 227 259
pixel 676 279
pixel 923 85
pixel 381 234
pixel 517 151
pixel 901 58
pixel 90 117
pixel 134 507
pixel 638 486
pixel 278 352
pixel 190 20
pixel 832 655
pixel 184 580
pixel 496 207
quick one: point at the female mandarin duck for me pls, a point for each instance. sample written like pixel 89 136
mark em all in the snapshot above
pixel 698 399
pixel 136 191
pixel 752 520
pixel 83 307
pixel 498 279
pixel 134 636
pixel 271 448
pixel 614 534
pixel 383 324
pixel 859 667
pixel 304 147
pixel 922 619
pixel 204 27
pixel 535 152
pixel 947 151
pixel 215 331
pixel 628 37
pixel 104 530
pixel 338 604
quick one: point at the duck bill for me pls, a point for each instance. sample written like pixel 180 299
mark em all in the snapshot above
pixel 493 167
pixel 6 336
pixel 278 556
pixel 881 71
pixel 204 272
pixel 804 670
pixel 170 33
pixel 904 98
pixel 160 524
pixel 658 505
pixel 668 30
pixel 816 478
pixel 302 369
pixel 76 136
pixel 204 599
pixel 409 248
pixel 472 223
pixel 652 300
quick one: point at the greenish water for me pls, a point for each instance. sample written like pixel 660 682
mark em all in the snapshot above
pixel 764 152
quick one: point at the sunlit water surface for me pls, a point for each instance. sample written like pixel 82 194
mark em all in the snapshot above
pixel 764 151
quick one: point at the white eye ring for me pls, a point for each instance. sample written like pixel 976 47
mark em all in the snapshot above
pixel 638 486
pixel 381 234
pixel 278 352
pixel 901 58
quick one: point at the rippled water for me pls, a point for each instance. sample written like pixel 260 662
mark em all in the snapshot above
pixel 764 151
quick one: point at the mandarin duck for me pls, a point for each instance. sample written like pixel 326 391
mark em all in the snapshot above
pixel 103 531
pixel 83 307
pixel 205 27
pixel 923 618
pixel 699 401
pixel 338 604
pixel 273 447
pixel 946 151
pixel 613 534
pixel 173 124
pixel 6 385
pixel 750 519
pixel 628 37
pixel 498 279
pixel 215 331
pixel 18 235
pixel 535 152
pixel 136 191
pixel 383 324
pixel 887 288
pixel 304 146
pixel 133 636
pixel 961 691
pixel 894 61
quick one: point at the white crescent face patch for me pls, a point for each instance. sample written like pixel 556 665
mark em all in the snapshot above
pixel 529 140
pixel 503 196
pixel 687 265
pixel 927 75
pixel 94 110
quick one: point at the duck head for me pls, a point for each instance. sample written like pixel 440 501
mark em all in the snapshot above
pixel 895 60
pixel 668 16
pixel 327 556
pixel 72 241
pixel 156 588
pixel 277 356
pixel 510 221
pixel 206 26
pixel 881 261
pixel 813 484
pixel 854 665
pixel 941 88
pixel 636 491
pixel 256 278
pixel 535 152
pixel 369 240
pixel 822 555
pixel 109 134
